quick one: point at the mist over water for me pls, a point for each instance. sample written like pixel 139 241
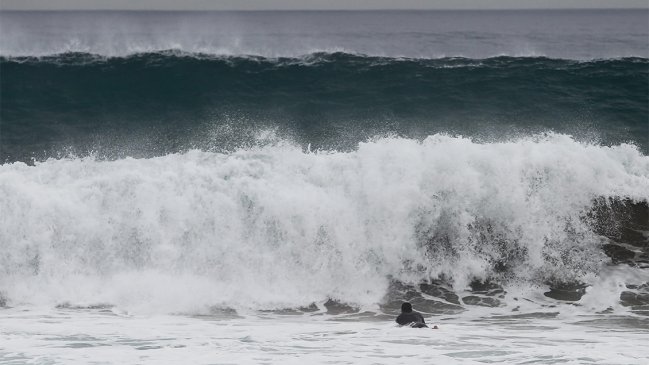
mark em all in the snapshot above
pixel 564 34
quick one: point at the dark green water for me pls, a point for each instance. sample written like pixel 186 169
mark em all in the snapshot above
pixel 157 103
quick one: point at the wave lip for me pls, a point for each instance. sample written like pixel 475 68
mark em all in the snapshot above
pixel 156 57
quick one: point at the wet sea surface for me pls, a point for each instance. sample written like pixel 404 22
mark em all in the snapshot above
pixel 31 335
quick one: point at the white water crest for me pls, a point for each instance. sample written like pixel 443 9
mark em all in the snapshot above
pixel 276 227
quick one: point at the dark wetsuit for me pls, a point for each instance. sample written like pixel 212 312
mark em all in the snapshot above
pixel 413 318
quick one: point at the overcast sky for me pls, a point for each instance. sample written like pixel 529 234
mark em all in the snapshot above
pixel 311 4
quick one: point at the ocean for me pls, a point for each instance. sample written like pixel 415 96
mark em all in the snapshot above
pixel 269 187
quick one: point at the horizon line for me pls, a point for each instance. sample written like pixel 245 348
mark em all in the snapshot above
pixel 316 10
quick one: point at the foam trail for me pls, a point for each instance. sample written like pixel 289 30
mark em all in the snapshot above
pixel 274 227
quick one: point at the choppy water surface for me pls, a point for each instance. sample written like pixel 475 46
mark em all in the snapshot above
pixel 72 336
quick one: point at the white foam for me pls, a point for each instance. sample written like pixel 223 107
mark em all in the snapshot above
pixel 36 335
pixel 275 226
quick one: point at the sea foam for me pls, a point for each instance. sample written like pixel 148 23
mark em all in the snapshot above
pixel 275 226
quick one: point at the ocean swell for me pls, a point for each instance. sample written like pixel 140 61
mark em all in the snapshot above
pixel 153 104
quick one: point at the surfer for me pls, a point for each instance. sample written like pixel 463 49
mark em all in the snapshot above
pixel 410 317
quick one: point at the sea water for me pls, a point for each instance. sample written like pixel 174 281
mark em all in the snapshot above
pixel 269 187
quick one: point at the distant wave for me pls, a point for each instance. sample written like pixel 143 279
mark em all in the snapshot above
pixel 156 103
pixel 81 58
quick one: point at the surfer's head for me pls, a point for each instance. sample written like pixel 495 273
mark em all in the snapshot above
pixel 406 307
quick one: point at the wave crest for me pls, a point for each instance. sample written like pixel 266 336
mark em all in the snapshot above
pixel 277 227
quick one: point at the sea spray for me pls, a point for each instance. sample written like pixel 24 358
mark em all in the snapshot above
pixel 278 227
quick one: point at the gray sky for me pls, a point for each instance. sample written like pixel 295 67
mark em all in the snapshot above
pixel 311 4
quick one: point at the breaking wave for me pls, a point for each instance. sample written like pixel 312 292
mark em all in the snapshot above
pixel 276 226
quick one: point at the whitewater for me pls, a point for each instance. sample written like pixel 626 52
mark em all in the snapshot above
pixel 268 188
pixel 228 242
pixel 278 227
